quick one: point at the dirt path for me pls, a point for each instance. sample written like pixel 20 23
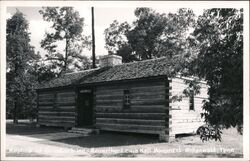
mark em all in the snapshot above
pixel 25 145
pixel 30 141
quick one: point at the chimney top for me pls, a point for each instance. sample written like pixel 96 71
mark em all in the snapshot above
pixel 110 60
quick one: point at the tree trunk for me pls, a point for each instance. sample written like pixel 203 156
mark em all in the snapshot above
pixel 15 112
pixel 66 55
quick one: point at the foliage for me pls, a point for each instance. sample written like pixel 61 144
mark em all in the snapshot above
pixel 67 26
pixel 213 51
pixel 209 133
pixel 218 37
pixel 115 36
pixel 151 35
pixel 43 72
pixel 20 57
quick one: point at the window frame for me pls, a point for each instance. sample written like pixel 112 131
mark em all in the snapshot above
pixel 126 99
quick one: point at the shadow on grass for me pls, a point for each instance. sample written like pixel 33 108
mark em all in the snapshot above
pixel 29 128
pixel 104 139
pixel 109 139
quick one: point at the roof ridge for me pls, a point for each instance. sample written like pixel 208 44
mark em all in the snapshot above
pixel 82 71
pixel 142 61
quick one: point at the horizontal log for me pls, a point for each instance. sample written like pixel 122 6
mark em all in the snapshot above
pixel 131 130
pixel 142 109
pixel 56 124
pixel 186 108
pixel 57 121
pixel 182 84
pixel 63 102
pixel 55 113
pixel 141 96
pixel 109 96
pixel 105 103
pixel 50 99
pixel 148 93
pixel 133 84
pixel 56 117
pixel 132 95
pixel 187 124
pixel 46 107
pixel 111 92
pixel 109 100
pixel 66 94
pixel 150 116
pixel 186 101
pixel 67 107
pixel 187 113
pixel 45 104
pixel 186 119
pixel 154 101
pixel 130 127
pixel 66 98
pixel 66 103
pixel 150 89
pixel 46 96
pixel 119 99
pixel 133 106
pixel 130 121
pixel 148 102
pixel 58 109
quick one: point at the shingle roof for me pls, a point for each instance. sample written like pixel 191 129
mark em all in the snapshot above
pixel 126 71
pixel 67 79
pixel 135 70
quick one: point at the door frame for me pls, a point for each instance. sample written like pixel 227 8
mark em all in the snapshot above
pixel 86 90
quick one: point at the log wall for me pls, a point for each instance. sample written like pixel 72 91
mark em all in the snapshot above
pixel 147 112
pixel 57 108
pixel 183 120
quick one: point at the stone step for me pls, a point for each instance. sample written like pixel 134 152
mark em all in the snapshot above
pixel 85 131
pixel 80 132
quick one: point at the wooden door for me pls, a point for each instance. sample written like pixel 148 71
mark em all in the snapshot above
pixel 85 107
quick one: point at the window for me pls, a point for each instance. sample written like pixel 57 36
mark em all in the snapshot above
pixel 191 100
pixel 126 99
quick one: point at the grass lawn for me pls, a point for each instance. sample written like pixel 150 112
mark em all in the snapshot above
pixel 26 140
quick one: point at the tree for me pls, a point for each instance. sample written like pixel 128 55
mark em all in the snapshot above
pixel 67 26
pixel 151 35
pixel 213 51
pixel 20 56
pixel 43 72
pixel 115 36
pixel 218 37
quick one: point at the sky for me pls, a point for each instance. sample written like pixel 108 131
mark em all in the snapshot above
pixel 103 18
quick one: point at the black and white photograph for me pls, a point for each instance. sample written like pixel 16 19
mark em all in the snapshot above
pixel 124 79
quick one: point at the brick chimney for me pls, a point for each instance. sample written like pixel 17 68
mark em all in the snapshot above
pixel 109 60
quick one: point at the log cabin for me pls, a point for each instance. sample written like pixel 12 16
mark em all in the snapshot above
pixel 125 97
